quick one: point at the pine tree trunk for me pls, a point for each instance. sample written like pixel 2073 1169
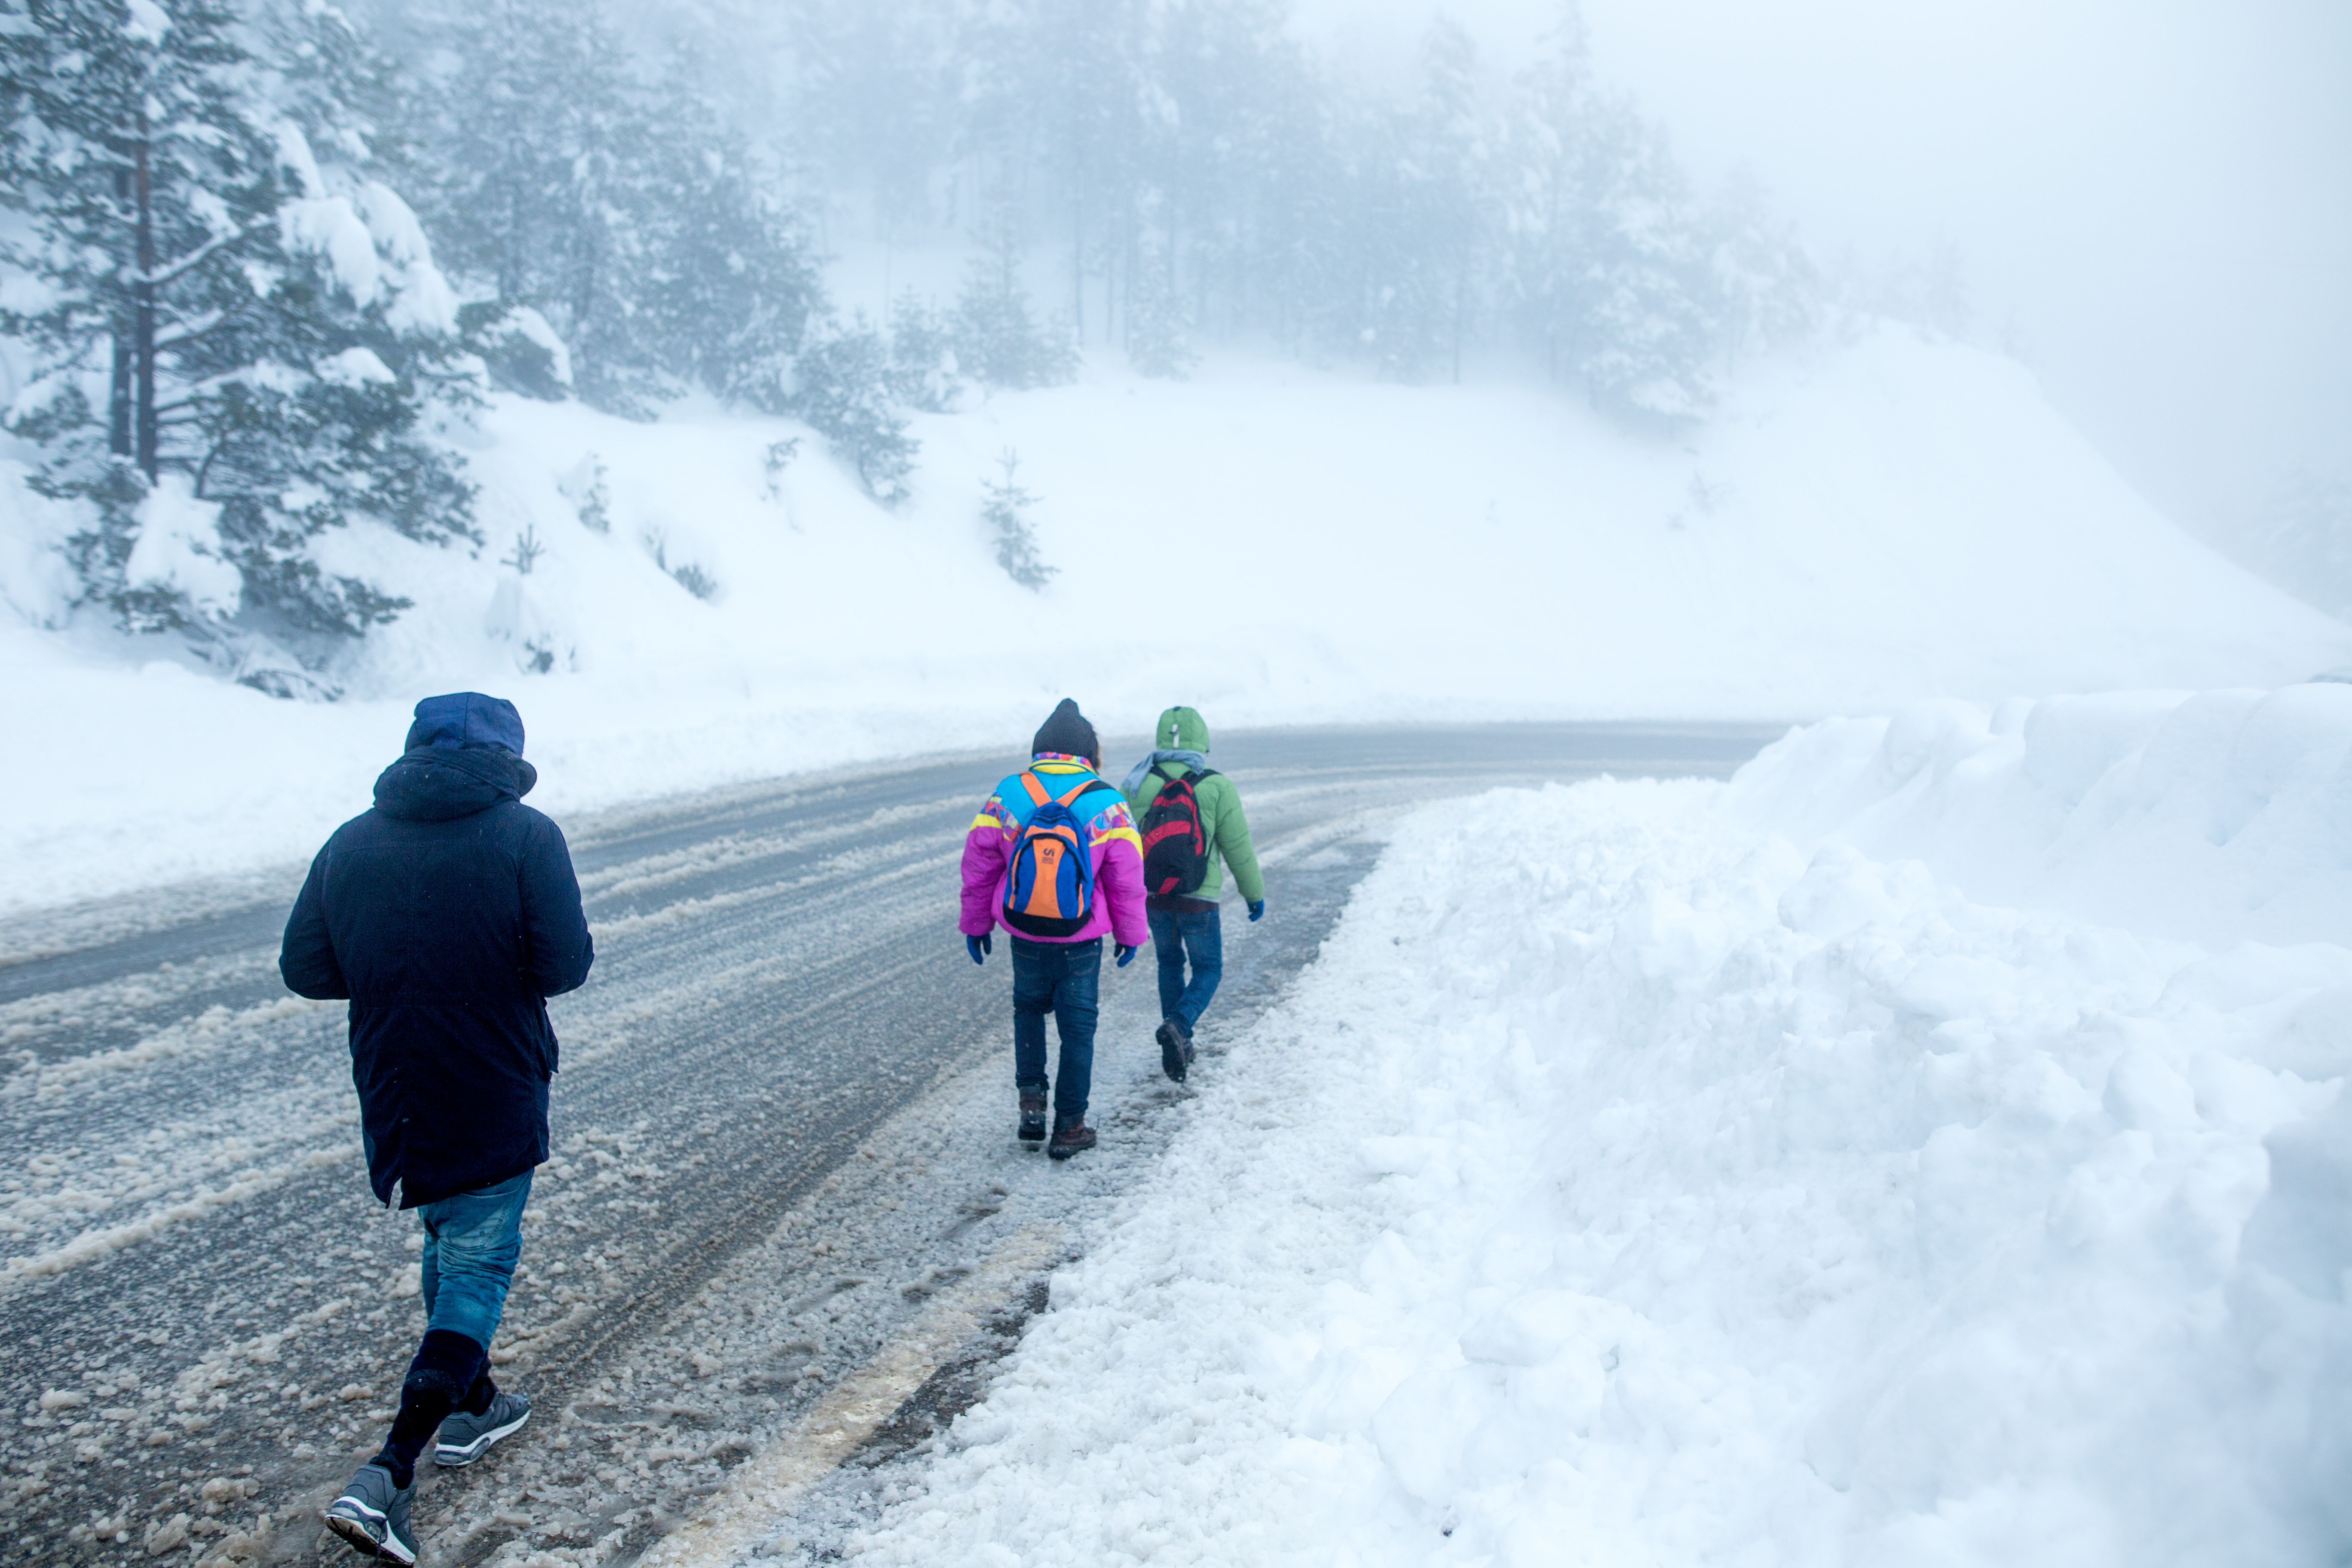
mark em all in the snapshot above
pixel 1078 266
pixel 117 390
pixel 144 326
pixel 1078 234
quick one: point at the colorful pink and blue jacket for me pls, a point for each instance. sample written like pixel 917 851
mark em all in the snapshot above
pixel 1117 851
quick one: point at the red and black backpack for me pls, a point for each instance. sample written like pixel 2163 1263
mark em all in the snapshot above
pixel 1175 846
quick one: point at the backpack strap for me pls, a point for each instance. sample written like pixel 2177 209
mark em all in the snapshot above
pixel 1036 788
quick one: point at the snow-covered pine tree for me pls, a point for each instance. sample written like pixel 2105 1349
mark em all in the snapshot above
pixel 1216 75
pixel 923 365
pixel 236 337
pixel 845 389
pixel 1159 326
pixel 1422 243
pixel 875 100
pixel 1646 326
pixel 539 167
pixel 632 216
pixel 729 293
pixel 999 341
pixel 1610 263
pixel 1009 528
pixel 1767 289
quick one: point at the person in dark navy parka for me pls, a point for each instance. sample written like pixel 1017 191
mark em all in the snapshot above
pixel 448 915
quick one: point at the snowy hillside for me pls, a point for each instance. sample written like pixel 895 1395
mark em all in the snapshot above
pixel 1647 1174
pixel 1861 528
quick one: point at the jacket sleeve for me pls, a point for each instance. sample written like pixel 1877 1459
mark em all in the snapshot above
pixel 306 958
pixel 1118 874
pixel 557 949
pixel 984 870
pixel 1234 843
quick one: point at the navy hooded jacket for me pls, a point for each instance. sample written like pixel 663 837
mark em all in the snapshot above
pixel 448 915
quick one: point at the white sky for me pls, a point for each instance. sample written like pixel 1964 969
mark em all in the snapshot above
pixel 2153 198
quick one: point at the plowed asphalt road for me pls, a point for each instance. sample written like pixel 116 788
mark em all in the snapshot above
pixel 205 1319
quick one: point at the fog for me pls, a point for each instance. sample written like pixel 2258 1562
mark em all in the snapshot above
pixel 2152 201
pixel 858 217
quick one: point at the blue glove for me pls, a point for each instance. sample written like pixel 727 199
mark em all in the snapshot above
pixel 1126 951
pixel 1257 908
pixel 978 946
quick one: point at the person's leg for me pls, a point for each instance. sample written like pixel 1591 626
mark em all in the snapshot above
pixel 473 1241
pixel 1032 998
pixel 1168 947
pixel 1204 943
pixel 1076 1005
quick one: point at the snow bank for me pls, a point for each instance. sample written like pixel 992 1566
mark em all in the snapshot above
pixel 1859 529
pixel 1633 1180
pixel 2218 816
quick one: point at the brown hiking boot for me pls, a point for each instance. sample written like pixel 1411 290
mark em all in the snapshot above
pixel 1033 1119
pixel 1069 1139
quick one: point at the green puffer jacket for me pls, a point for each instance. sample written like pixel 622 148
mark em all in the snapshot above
pixel 1183 730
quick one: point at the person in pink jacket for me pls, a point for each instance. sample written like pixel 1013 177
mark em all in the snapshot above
pixel 1054 859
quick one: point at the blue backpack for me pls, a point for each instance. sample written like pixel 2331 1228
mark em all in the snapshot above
pixel 1051 890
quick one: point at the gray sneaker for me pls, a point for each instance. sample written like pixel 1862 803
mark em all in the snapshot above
pixel 372 1516
pixel 464 1438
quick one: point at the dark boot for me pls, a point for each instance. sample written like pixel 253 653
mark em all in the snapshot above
pixel 1175 1048
pixel 1169 1037
pixel 446 1367
pixel 1033 1119
pixel 1069 1137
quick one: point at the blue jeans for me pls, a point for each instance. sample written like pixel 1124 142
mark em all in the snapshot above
pixel 471 1243
pixel 1063 978
pixel 1175 937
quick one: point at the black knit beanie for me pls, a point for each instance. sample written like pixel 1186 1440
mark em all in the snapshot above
pixel 1066 731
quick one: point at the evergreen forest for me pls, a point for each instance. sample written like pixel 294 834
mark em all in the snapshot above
pixel 258 257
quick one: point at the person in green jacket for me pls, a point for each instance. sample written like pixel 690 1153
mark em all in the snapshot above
pixel 1184 924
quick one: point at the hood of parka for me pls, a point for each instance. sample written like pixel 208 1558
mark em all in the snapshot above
pixel 460 720
pixel 1180 730
pixel 434 783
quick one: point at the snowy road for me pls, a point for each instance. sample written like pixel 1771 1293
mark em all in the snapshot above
pixel 781 1129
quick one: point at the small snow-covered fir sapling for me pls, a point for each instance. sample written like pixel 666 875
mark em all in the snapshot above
pixel 690 575
pixel 1159 326
pixel 923 361
pixel 998 337
pixel 778 457
pixel 590 497
pixel 527 552
pixel 1159 334
pixel 1014 536
pixel 845 392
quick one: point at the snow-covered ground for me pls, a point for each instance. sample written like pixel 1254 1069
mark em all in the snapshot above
pixel 1861 526
pixel 1926 1148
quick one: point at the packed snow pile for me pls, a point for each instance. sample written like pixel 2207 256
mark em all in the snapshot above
pixel 2215 816
pixel 711 597
pixel 1670 1172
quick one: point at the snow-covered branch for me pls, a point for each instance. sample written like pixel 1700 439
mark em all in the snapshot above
pixel 198 257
